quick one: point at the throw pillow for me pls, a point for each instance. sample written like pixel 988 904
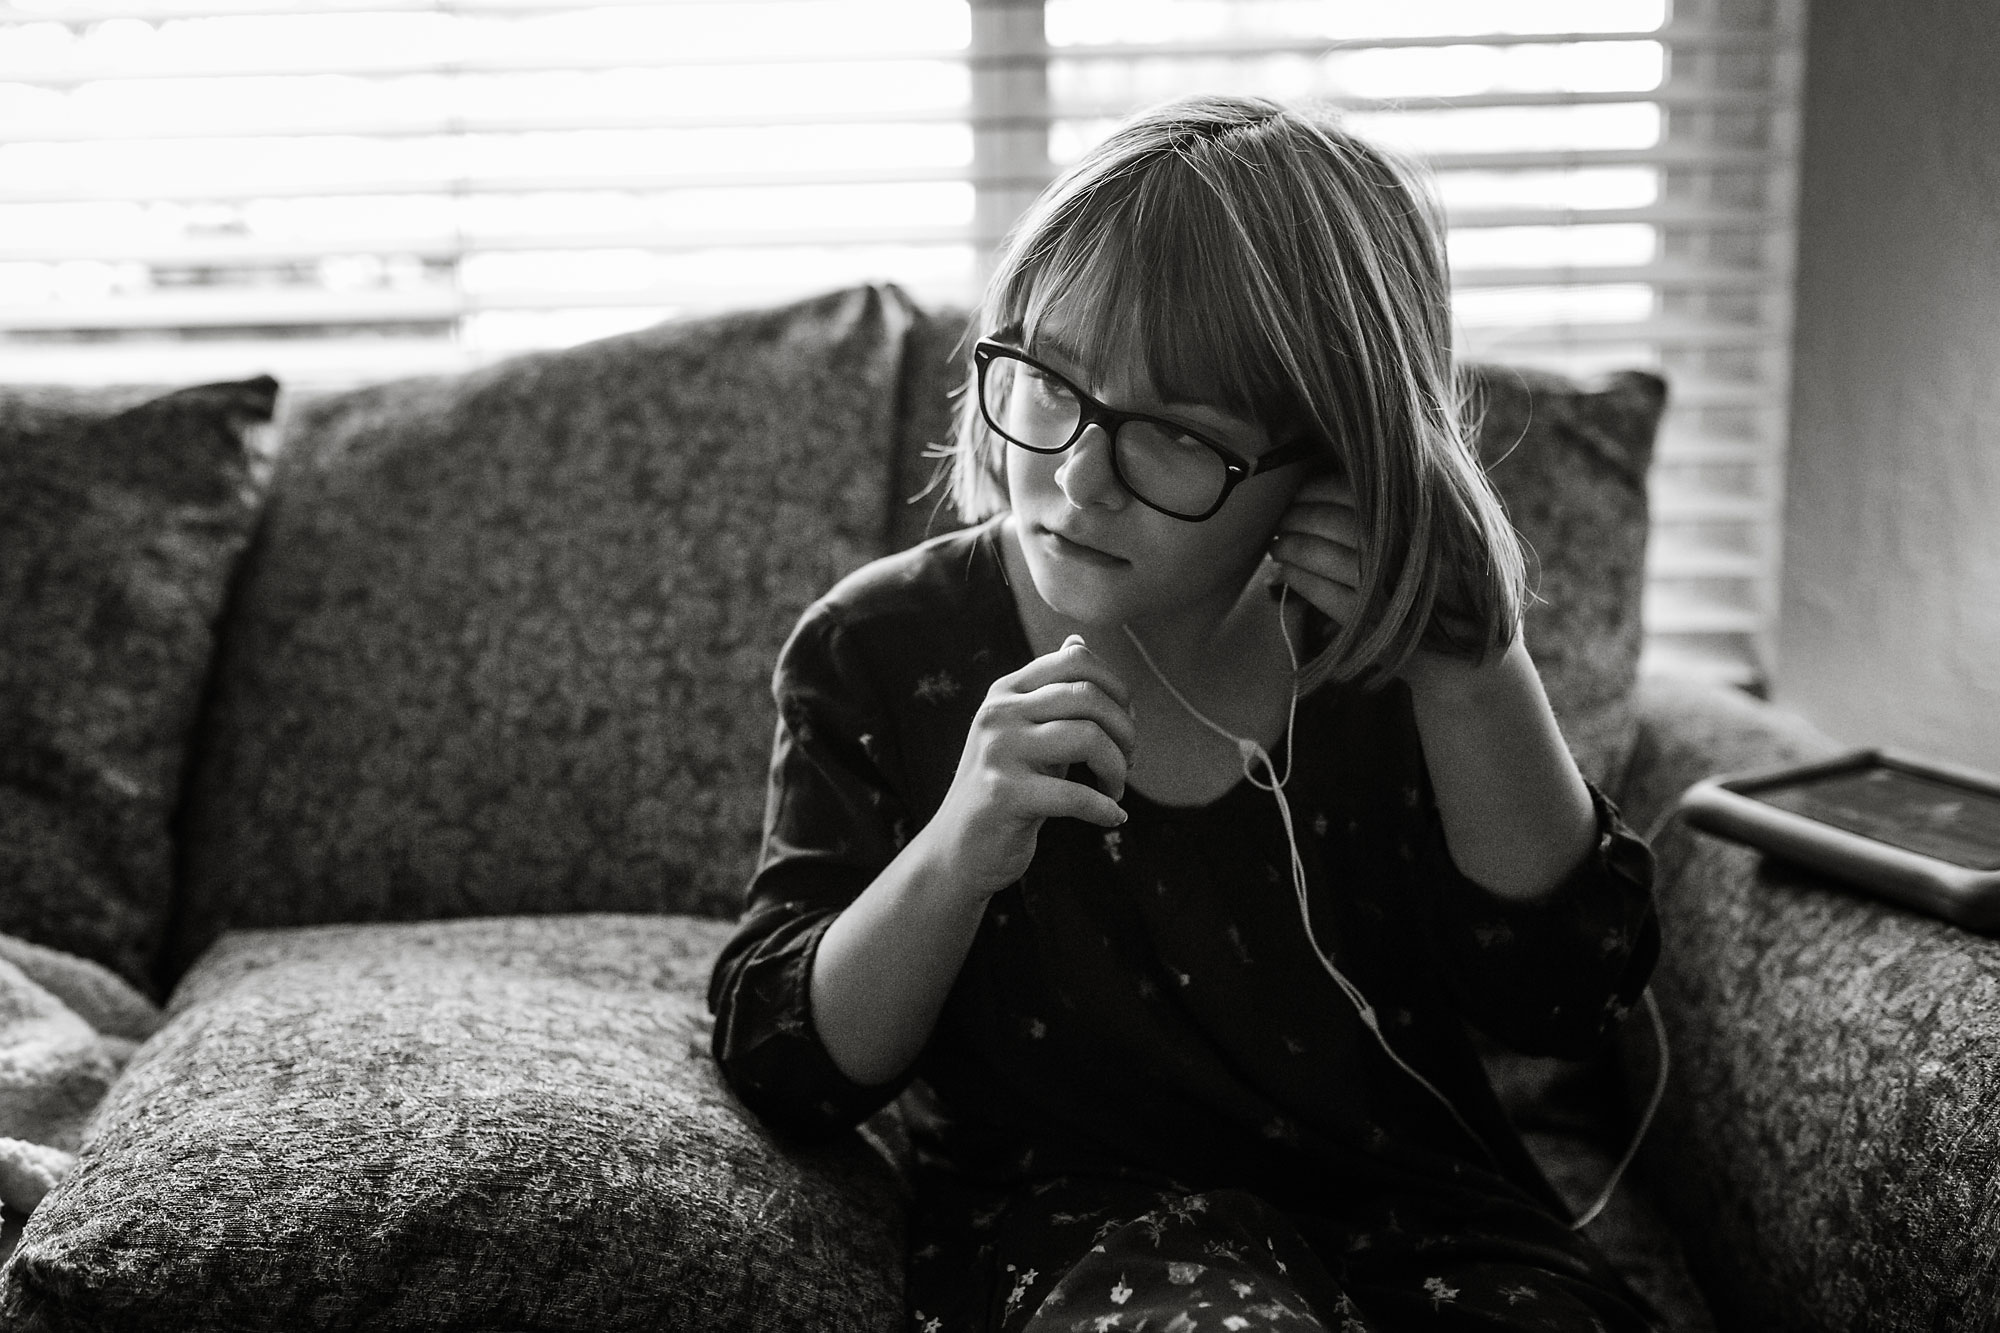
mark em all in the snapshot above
pixel 505 643
pixel 933 373
pixel 1570 461
pixel 508 1123
pixel 122 514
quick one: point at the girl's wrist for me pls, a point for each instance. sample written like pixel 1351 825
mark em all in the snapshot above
pixel 942 871
pixel 1439 679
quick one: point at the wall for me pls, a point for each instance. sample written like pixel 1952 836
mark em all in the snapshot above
pixel 1889 629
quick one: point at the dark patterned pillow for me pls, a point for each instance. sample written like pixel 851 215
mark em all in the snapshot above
pixel 122 514
pixel 505 642
pixel 1570 461
pixel 491 1124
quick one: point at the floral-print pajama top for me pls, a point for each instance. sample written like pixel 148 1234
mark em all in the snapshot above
pixel 1146 1105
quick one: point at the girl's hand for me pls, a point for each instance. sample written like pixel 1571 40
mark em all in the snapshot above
pixel 1318 546
pixel 1064 708
pixel 1318 552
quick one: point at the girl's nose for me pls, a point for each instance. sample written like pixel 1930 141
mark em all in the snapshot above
pixel 1085 473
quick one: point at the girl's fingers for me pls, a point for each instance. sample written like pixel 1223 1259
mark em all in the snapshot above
pixel 1334 523
pixel 1332 561
pixel 1340 601
pixel 1059 798
pixel 1072 661
pixel 1054 746
pixel 1333 487
pixel 1083 700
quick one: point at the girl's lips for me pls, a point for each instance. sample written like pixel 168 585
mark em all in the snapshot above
pixel 1075 550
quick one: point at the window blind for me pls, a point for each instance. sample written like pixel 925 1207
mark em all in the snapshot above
pixel 340 189
pixel 348 189
pixel 1618 177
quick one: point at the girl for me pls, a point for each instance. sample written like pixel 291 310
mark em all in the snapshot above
pixel 1165 943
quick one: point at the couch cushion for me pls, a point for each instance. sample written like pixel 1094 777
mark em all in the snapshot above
pixel 504 642
pixel 482 1124
pixel 122 514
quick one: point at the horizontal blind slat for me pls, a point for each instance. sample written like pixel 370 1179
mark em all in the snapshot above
pixel 223 191
pixel 1664 275
pixel 81 14
pixel 1668 559
pixel 336 361
pixel 273 305
pixel 225 250
pixel 1489 342
pixel 244 251
pixel 81 72
pixel 1664 654
pixel 1669 612
pixel 315 306
pixel 224 127
pixel 635 182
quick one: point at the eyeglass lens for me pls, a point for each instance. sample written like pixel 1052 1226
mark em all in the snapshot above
pixel 1168 469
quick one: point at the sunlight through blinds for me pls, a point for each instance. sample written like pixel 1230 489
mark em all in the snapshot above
pixel 1618 177
pixel 342 190
pixel 345 190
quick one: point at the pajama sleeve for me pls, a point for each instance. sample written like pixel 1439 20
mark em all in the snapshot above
pixel 833 819
pixel 1555 975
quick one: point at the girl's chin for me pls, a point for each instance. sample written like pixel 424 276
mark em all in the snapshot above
pixel 1107 594
pixel 1074 600
pixel 1094 608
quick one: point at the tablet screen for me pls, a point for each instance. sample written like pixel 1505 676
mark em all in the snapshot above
pixel 1960 825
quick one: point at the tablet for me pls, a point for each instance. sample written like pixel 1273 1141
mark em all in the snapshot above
pixel 1919 832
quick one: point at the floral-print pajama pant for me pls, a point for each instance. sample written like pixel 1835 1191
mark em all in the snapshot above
pixel 1223 1262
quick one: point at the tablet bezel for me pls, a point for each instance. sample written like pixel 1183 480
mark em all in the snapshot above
pixel 1728 805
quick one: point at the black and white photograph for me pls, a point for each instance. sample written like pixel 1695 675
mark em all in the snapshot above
pixel 999 666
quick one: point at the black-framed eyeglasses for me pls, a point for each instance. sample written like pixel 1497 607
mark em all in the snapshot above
pixel 1164 464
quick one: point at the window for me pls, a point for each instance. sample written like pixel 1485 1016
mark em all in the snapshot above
pixel 338 190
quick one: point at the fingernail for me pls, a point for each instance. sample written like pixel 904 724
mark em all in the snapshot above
pixel 1077 640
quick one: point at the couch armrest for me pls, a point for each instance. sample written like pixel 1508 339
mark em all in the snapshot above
pixel 1829 1142
pixel 1690 730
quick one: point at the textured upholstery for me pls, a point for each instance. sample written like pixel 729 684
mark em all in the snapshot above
pixel 483 1124
pixel 1828 1145
pixel 504 641
pixel 121 518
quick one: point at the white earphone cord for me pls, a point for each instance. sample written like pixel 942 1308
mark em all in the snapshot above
pixel 1250 751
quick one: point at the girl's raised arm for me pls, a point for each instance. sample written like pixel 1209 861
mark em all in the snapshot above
pixel 887 963
pixel 1517 816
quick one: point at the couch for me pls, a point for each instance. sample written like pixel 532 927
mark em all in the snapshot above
pixel 380 771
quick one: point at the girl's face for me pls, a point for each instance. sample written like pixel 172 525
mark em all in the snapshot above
pixel 1100 557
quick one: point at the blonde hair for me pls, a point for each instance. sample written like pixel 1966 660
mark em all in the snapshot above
pixel 1259 257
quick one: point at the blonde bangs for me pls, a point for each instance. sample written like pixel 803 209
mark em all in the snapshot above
pixel 1159 276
